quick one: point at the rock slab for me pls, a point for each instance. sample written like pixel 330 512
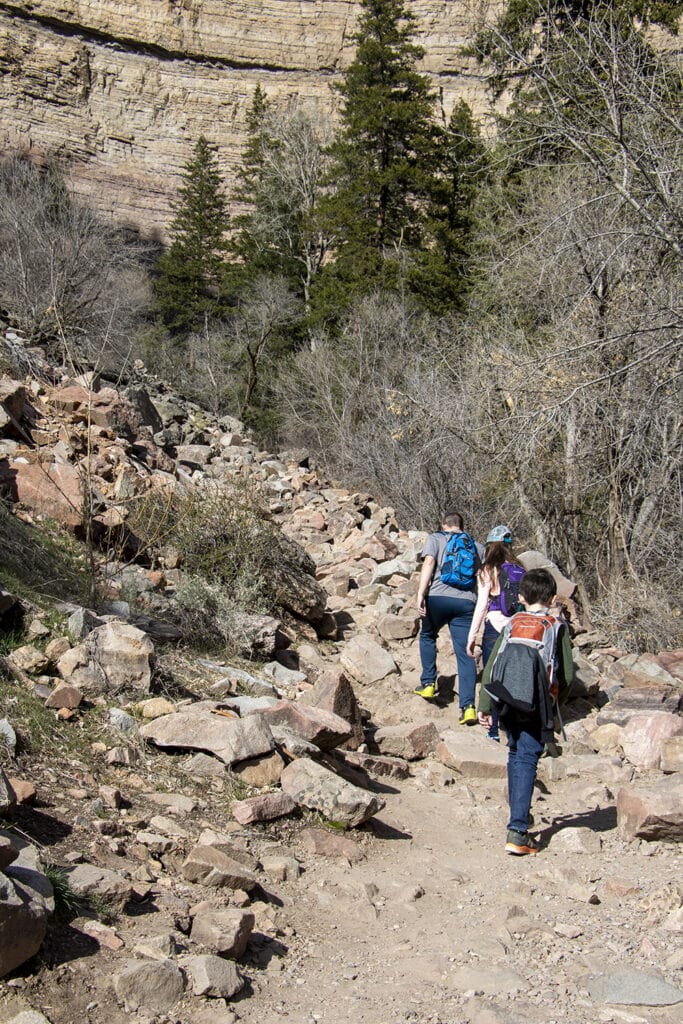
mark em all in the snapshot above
pixel 652 812
pixel 312 785
pixel 230 739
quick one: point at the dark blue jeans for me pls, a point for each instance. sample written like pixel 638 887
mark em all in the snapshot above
pixel 524 749
pixel 488 642
pixel 457 613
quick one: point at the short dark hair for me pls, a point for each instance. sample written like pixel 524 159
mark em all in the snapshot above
pixel 538 586
pixel 453 519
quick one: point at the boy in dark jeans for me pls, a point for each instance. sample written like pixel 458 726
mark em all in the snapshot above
pixel 545 677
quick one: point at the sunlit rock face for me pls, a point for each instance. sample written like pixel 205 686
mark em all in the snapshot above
pixel 124 89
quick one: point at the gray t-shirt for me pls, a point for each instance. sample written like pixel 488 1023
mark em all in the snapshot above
pixel 435 545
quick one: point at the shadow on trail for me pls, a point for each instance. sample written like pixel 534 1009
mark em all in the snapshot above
pixel 445 691
pixel 384 831
pixel 32 823
pixel 600 819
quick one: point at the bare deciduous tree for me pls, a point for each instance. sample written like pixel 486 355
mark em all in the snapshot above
pixel 65 271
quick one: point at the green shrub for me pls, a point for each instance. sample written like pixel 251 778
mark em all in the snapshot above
pixel 68 903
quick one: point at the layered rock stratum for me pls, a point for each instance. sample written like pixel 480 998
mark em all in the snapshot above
pixel 123 89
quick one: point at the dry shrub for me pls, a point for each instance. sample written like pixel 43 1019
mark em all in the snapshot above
pixel 65 271
pixel 224 536
pixel 640 618
pixel 235 561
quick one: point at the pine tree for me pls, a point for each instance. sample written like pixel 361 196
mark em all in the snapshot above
pixel 441 274
pixel 381 159
pixel 191 271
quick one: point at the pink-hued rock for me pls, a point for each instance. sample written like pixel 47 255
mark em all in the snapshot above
pixel 378 765
pixel 672 754
pixel 102 934
pixel 364 659
pixel 262 808
pixel 50 488
pixel 208 865
pixel 261 771
pixel 411 742
pixel 64 696
pixel 223 931
pixel 323 728
pixel 645 734
pixel 333 692
pixel 398 627
pixel 24 791
pixel 329 844
pixel 672 662
pixel 652 812
pixel 471 755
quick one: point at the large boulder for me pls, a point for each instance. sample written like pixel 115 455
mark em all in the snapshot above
pixel 214 977
pixel 364 659
pixel 311 785
pixel 113 657
pixel 52 489
pixel 230 739
pixel 652 812
pixel 207 865
pixel 321 727
pixel 124 654
pixel 262 808
pixel 470 756
pixel 92 880
pixel 333 692
pixel 26 900
pixel 154 986
pixel 224 931
pixel 410 741
pixel 644 736
pixel 293 578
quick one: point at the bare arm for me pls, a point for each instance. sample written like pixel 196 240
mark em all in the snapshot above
pixel 480 609
pixel 426 574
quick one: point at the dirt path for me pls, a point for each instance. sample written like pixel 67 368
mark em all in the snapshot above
pixel 439 924
pixel 435 924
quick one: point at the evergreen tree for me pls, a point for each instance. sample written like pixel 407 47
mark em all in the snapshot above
pixel 441 273
pixel 381 159
pixel 245 244
pixel 191 271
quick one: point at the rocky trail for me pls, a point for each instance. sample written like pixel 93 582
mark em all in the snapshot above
pixel 296 836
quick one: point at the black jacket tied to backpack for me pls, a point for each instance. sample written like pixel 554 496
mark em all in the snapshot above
pixel 519 686
pixel 524 692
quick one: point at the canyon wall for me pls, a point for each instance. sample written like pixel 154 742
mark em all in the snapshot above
pixel 123 89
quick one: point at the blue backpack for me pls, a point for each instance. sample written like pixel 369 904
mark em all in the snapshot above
pixel 509 576
pixel 460 562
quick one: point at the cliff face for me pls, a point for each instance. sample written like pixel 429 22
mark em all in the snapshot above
pixel 123 89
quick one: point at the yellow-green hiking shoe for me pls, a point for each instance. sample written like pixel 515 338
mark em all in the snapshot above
pixel 428 692
pixel 468 716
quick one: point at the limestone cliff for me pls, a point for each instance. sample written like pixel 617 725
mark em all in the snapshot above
pixel 124 87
